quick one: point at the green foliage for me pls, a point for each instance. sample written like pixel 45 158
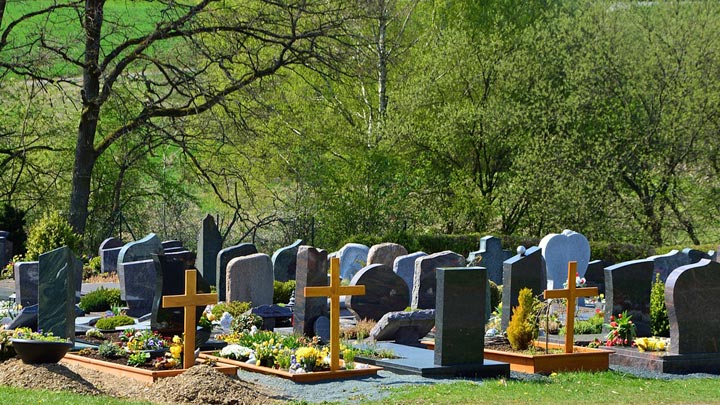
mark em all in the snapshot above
pixel 659 322
pixel 245 322
pixel 282 291
pixel 591 326
pixel 619 252
pixel 138 359
pixel 522 328
pixel 235 308
pixel 51 232
pixel 13 221
pixel 110 350
pixel 101 299
pixel 495 294
pixel 113 322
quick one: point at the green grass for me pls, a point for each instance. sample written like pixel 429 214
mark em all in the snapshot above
pixel 583 388
pixel 12 395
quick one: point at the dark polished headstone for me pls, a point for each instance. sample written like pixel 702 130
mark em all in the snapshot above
pixel 695 255
pixel 405 328
pixel 321 328
pixel 139 285
pixel 423 293
pixel 491 255
pixel 184 256
pixel 170 244
pixel 385 292
pixel 627 288
pixel 60 275
pixel 692 296
pixel 139 250
pixel 170 280
pixel 284 261
pixel 665 264
pixel 271 313
pixel 460 316
pixel 222 260
pixel 109 251
pixel 27 276
pixel 209 243
pixel 312 265
pixel 595 275
pixel 526 271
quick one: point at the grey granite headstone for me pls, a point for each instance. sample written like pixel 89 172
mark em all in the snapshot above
pixel 353 257
pixel 60 271
pixel 560 249
pixel 142 249
pixel 139 285
pixel 27 277
pixel 491 256
pixel 250 279
pixel 209 243
pixel 170 280
pixel 385 292
pixel 312 265
pixel 322 328
pixel 385 253
pixel 692 296
pixel 665 264
pixel 526 271
pixel 627 288
pixel 423 292
pixel 404 266
pixel 460 316
pixel 284 261
pixel 595 275
pixel 109 252
pixel 223 258
pixel 169 244
pixel 404 327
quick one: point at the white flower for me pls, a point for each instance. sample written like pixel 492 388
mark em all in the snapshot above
pixel 236 351
pixel 253 330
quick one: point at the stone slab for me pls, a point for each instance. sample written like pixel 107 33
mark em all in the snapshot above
pixel 209 244
pixel 223 258
pixel 663 362
pixel 284 261
pixel 385 292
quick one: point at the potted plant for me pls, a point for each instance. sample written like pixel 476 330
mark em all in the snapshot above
pixel 38 347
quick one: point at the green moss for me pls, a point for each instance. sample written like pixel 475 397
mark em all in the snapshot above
pixel 113 322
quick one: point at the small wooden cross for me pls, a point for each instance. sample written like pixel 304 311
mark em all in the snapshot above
pixel 189 301
pixel 572 293
pixel 334 291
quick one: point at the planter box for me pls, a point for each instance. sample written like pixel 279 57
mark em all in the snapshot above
pixel 585 359
pixel 147 376
pixel 298 378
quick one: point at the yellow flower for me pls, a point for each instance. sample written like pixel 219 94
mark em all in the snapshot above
pixel 210 317
pixel 176 351
pixel 176 339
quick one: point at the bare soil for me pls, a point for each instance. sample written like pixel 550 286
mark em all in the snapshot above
pixel 201 384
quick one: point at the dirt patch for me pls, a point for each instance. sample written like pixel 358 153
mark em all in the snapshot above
pixel 200 384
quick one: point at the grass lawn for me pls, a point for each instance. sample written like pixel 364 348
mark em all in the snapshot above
pixel 12 395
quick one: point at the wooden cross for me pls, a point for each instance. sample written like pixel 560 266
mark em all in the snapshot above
pixel 334 291
pixel 189 301
pixel 572 293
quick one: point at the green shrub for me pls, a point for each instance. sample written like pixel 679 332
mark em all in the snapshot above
pixel 110 350
pixel 282 291
pixel 51 232
pixel 100 300
pixel 495 295
pixel 659 322
pixel 244 323
pixel 591 326
pixel 522 328
pixel 235 308
pixel 113 322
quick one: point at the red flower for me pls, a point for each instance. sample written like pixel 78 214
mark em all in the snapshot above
pixel 612 317
pixel 613 324
pixel 620 316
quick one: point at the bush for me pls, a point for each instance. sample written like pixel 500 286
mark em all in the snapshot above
pixel 495 295
pixel 282 291
pixel 244 323
pixel 100 300
pixel 591 326
pixel 235 308
pixel 659 322
pixel 522 329
pixel 110 350
pixel 13 221
pixel 51 232
pixel 113 322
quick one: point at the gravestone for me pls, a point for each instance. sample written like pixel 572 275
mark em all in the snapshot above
pixel 321 328
pixel 595 275
pixel 58 288
pixel 284 261
pixel 109 251
pixel 312 265
pixel 404 266
pixel 250 278
pixel 174 250
pixel 560 249
pixel 271 313
pixel 185 256
pixel 665 264
pixel 353 257
pixel 627 288
pixel 491 256
pixel 170 244
pixel 405 328
pixel 385 253
pixel 170 280
pixel 423 293
pixel 460 316
pixel 139 286
pixel 222 260
pixel 27 277
pixel 140 250
pixel 209 244
pixel 385 292
pixel 521 271
pixel 695 255
pixel 692 297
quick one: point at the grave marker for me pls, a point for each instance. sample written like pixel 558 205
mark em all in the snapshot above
pixel 558 250
pixel 60 272
pixel 250 278
pixel 209 244
pixel 385 292
pixel 311 271
pixel 170 280
pixel 109 252
pixel 284 261
pixel 521 271
pixel 27 278
pixel 353 257
pixel 665 264
pixel 404 266
pixel 627 288
pixel 223 258
pixel 424 282
pixel 385 253
pixel 491 256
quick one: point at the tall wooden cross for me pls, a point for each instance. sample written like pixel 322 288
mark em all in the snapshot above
pixel 334 291
pixel 189 301
pixel 572 293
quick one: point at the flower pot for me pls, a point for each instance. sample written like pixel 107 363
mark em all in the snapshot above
pixel 38 351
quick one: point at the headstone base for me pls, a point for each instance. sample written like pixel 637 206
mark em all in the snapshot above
pixel 662 362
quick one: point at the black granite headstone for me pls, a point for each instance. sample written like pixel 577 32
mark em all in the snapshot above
pixel 424 286
pixel 284 261
pixel 272 313
pixel 695 255
pixel 170 244
pixel 60 274
pixel 491 256
pixel 109 251
pixel 27 276
pixel 321 328
pixel 692 296
pixel 627 288
pixel 385 292
pixel 208 246
pixel 595 275
pixel 312 265
pixel 223 258
pixel 460 316
pixel 137 251
pixel 521 271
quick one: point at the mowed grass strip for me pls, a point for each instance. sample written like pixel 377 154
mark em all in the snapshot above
pixel 12 395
